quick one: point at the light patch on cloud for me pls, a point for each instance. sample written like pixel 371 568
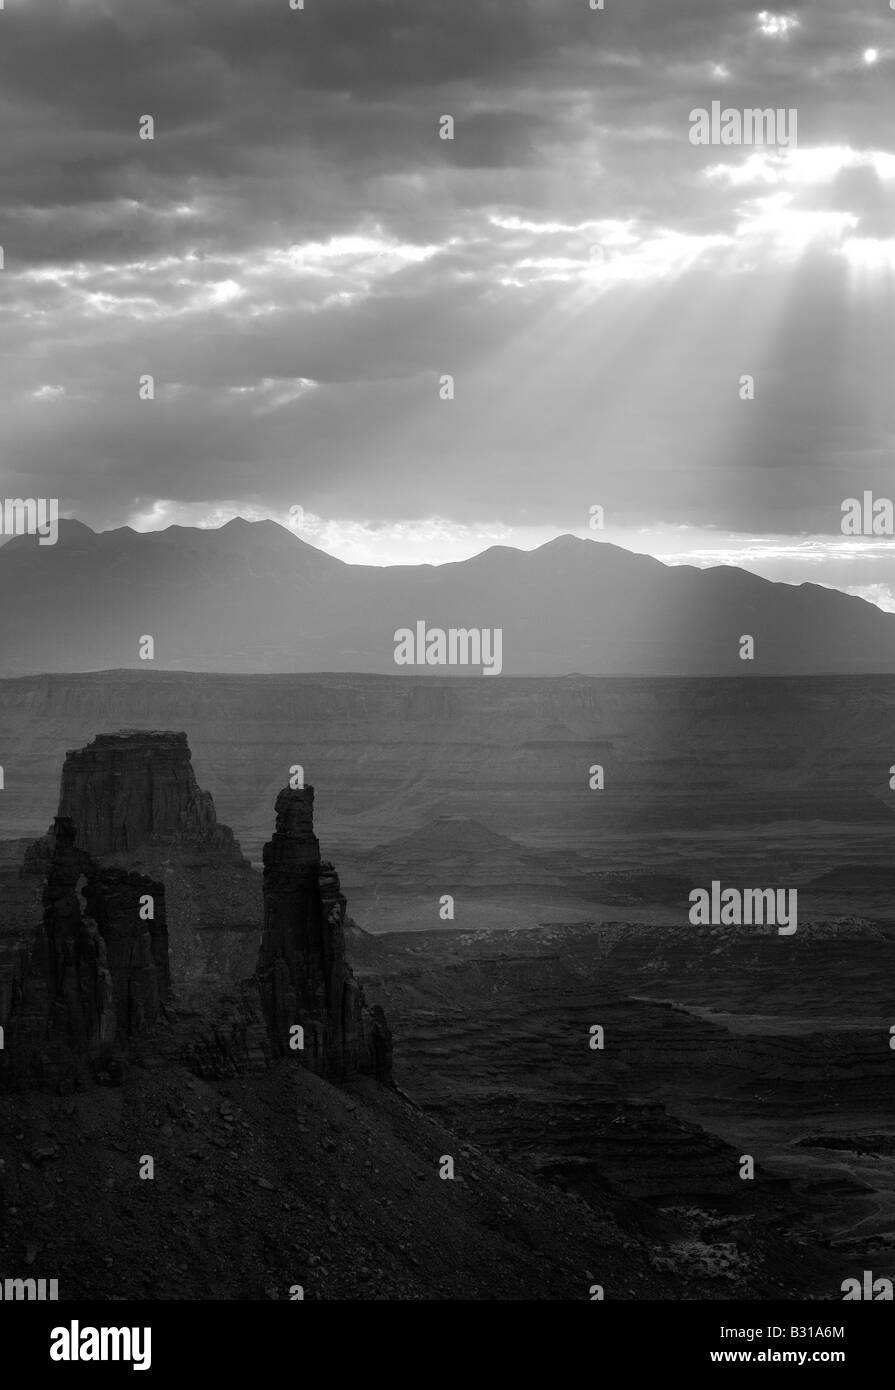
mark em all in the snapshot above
pixel 521 224
pixel 425 541
pixel 622 256
pixel 801 167
pixel 223 292
pixel 165 512
pixel 883 595
pixel 776 26
pixel 373 256
pixel 774 221
pixel 271 393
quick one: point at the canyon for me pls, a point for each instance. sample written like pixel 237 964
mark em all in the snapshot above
pixel 264 1176
pixel 767 780
pixel 469 1037
pixel 715 1044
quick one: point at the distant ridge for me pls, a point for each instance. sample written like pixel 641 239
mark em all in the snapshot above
pixel 252 597
pixel 457 849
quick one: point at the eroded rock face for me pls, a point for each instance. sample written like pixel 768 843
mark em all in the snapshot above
pixel 134 801
pixel 135 788
pixel 303 975
pixel 84 957
pixel 92 976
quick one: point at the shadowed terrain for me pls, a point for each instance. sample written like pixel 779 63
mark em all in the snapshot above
pixel 714 1046
pixel 569 911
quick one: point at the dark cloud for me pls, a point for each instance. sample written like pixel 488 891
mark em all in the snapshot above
pixel 297 258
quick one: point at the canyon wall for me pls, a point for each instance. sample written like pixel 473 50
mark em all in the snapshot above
pixel 389 754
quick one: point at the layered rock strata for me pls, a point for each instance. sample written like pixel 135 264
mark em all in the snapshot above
pixel 134 800
pixel 135 788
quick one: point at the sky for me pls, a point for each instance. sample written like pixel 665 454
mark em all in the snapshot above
pixel 299 260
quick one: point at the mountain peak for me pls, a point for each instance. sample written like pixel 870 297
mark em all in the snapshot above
pixel 253 597
pixel 564 542
pixel 244 525
pixel 70 532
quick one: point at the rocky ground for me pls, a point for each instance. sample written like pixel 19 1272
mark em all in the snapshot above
pixel 264 1183
pixel 493 1036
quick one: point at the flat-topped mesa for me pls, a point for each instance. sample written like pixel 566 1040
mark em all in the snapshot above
pixel 303 975
pixel 136 788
